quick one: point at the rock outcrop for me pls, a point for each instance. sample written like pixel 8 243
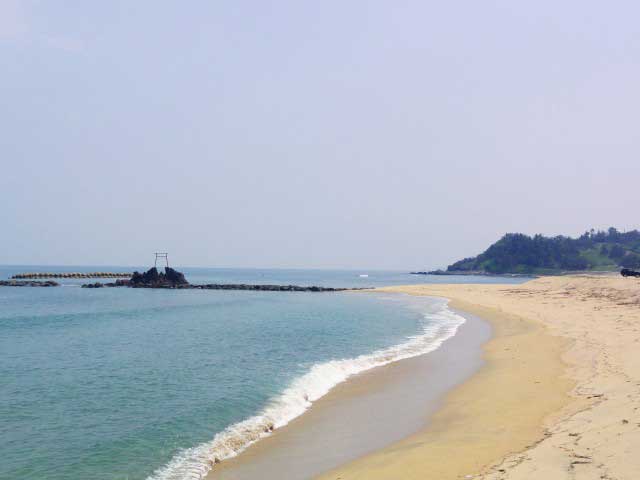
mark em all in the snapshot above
pixel 153 279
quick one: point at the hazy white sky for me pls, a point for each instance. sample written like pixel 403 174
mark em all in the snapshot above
pixel 359 134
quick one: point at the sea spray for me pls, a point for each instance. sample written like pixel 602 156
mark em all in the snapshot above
pixel 194 463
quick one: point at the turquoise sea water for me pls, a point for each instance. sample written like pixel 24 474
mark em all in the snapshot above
pixel 137 384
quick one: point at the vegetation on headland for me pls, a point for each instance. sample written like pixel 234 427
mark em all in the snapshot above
pixel 516 253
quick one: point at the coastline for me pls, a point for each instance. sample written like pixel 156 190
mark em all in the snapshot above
pixel 489 416
pixel 369 411
pixel 477 418
pixel 557 398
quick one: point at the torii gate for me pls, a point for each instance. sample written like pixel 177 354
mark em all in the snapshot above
pixel 161 255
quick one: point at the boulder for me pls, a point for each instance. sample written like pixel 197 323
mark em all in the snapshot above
pixel 174 277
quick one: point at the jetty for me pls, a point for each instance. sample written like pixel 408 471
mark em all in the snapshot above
pixel 33 275
pixel 28 283
pixel 153 278
pixel 224 286
pixel 269 288
pixel 173 279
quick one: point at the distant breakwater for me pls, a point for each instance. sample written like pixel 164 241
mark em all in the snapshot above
pixel 211 286
pixel 225 286
pixel 70 275
pixel 26 283
pixel 270 288
pixel 170 279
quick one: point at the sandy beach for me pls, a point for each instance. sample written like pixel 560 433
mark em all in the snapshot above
pixel 370 411
pixel 557 398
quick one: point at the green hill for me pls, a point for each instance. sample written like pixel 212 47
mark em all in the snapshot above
pixel 518 253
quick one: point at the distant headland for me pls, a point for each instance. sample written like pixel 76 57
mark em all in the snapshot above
pixel 519 254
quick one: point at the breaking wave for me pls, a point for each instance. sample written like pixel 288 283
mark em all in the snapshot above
pixel 194 463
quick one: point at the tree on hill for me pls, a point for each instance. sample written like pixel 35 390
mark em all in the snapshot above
pixel 631 260
pixel 519 253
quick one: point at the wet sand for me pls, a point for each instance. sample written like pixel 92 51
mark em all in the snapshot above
pixel 368 412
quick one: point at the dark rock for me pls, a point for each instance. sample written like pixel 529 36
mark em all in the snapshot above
pixel 174 277
pixel 149 277
pixel 152 279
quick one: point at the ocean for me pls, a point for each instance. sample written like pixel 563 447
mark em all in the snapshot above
pixel 137 384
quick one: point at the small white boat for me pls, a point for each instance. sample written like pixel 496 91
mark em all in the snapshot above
pixel 363 275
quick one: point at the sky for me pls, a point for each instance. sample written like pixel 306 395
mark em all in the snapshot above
pixel 363 134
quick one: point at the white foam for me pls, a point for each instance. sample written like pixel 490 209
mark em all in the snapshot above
pixel 195 463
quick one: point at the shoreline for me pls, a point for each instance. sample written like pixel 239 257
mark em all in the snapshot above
pixel 558 398
pixel 487 417
pixel 558 395
pixel 368 411
pixel 466 420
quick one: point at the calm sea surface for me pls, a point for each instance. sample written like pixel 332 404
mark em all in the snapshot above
pixel 136 384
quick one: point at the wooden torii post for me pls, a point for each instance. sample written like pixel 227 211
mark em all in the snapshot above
pixel 161 255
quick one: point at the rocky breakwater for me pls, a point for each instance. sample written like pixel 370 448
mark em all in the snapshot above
pixel 268 288
pixel 70 275
pixel 176 280
pixel 117 283
pixel 28 283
